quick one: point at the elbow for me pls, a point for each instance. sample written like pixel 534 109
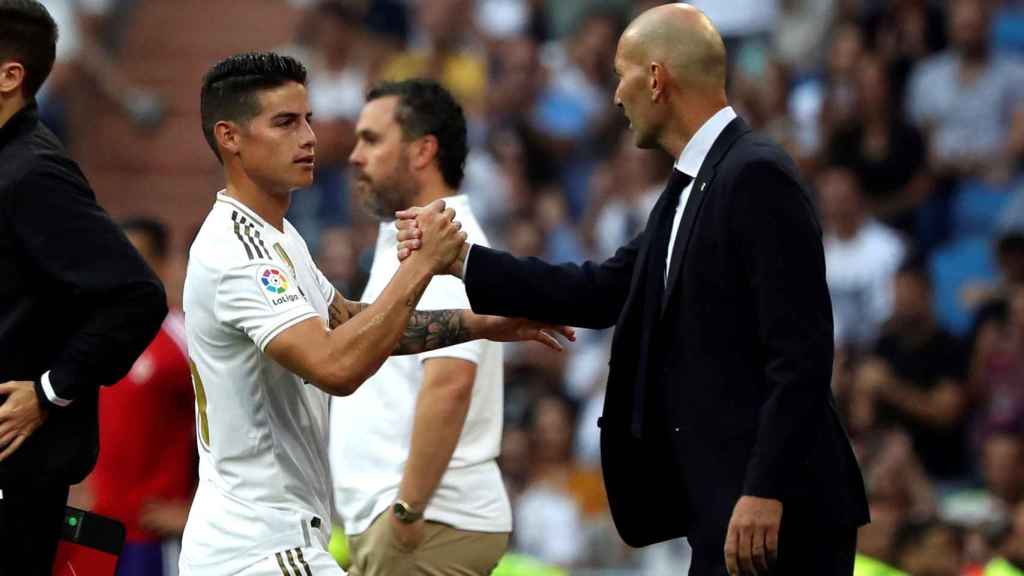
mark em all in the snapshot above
pixel 345 379
pixel 153 301
pixel 459 392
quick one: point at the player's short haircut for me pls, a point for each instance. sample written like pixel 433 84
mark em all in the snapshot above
pixel 28 35
pixel 154 231
pixel 425 108
pixel 231 88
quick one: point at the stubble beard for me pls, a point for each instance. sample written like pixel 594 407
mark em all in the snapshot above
pixel 385 198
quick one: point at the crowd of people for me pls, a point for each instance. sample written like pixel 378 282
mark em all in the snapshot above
pixel 906 118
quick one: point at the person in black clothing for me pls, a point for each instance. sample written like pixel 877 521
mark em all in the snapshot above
pixel 79 304
pixel 719 422
pixel 886 153
pixel 915 376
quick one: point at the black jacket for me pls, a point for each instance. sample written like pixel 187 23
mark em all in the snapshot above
pixel 739 360
pixel 78 300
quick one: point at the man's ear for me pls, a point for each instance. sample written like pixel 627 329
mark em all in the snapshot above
pixel 228 135
pixel 657 81
pixel 424 151
pixel 12 77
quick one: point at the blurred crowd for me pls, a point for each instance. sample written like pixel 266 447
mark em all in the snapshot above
pixel 905 116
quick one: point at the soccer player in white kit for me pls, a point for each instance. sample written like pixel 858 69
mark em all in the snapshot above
pixel 270 339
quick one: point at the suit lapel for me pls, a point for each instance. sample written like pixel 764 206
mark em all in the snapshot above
pixel 640 270
pixel 705 176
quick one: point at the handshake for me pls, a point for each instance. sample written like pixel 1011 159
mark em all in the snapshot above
pixel 431 235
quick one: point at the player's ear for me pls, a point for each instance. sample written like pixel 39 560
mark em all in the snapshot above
pixel 424 151
pixel 228 135
pixel 12 76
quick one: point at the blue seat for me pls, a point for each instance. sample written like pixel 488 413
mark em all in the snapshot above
pixel 976 209
pixel 951 267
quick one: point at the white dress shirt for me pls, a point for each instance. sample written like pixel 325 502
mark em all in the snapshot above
pixel 689 163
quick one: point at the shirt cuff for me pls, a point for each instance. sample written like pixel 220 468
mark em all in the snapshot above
pixel 51 396
pixel 465 264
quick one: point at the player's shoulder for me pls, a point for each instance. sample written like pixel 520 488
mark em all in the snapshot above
pixel 230 237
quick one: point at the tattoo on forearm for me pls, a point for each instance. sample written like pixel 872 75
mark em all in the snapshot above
pixel 431 329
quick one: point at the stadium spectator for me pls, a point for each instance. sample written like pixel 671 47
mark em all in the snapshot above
pixel 886 153
pixel 146 473
pixel 969 99
pixel 1002 464
pixel 929 548
pixel 623 191
pixel 337 81
pixel 997 393
pixel 915 376
pixel 861 257
pixel 442 49
pixel 84 53
pixel 550 514
pixel 822 104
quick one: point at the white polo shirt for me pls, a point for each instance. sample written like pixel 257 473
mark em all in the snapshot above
pixel 372 428
pixel 262 431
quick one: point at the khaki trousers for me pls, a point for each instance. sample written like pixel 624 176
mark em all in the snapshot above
pixel 445 551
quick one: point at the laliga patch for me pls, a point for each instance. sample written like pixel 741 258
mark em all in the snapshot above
pixel 276 286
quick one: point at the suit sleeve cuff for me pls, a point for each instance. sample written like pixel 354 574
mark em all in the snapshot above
pixel 465 264
pixel 44 388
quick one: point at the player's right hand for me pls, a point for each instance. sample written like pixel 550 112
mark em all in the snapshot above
pixel 441 237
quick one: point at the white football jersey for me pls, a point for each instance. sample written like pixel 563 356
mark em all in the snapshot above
pixel 264 483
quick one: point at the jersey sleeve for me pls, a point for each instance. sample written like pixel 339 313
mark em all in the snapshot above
pixel 446 292
pixel 324 285
pixel 261 300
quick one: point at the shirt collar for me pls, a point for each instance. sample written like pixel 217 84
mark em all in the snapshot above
pixel 697 148
pixel 243 209
pixel 23 118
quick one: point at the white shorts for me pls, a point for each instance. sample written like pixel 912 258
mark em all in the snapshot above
pixel 294 562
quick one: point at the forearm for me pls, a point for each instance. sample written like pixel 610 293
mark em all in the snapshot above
pixel 932 408
pixel 440 415
pixel 428 329
pixel 103 350
pixel 362 343
pixel 589 295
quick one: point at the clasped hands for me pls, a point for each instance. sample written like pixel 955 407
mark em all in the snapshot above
pixel 432 233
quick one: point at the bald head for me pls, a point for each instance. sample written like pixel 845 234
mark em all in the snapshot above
pixel 683 39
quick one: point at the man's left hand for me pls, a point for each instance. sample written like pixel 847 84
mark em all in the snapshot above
pixel 752 541
pixel 409 536
pixel 20 415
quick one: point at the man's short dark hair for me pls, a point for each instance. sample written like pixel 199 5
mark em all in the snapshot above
pixel 425 108
pixel 28 35
pixel 231 88
pixel 154 231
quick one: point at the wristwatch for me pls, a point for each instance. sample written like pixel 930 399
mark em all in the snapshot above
pixel 404 513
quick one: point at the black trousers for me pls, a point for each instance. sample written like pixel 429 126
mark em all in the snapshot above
pixel 31 520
